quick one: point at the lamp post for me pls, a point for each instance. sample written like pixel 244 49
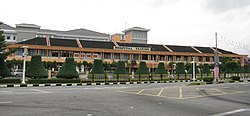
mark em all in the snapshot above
pixel 193 68
pixel 24 62
pixel 216 64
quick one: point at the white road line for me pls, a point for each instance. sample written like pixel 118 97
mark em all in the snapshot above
pixel 231 112
pixel 6 102
pixel 40 91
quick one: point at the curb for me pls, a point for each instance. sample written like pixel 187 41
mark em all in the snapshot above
pixel 93 84
pixel 87 84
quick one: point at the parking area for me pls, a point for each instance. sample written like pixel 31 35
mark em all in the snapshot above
pixel 182 92
pixel 162 99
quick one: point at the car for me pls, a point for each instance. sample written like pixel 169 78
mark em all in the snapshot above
pixel 18 73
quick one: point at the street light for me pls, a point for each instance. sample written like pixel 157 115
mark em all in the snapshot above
pixel 24 62
pixel 193 68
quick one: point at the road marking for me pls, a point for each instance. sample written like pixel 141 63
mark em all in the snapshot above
pixel 220 91
pixel 201 92
pixel 40 91
pixel 6 102
pixel 140 91
pixel 159 94
pixel 231 112
pixel 89 114
pixel 180 96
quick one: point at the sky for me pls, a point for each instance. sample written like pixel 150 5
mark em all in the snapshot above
pixel 171 22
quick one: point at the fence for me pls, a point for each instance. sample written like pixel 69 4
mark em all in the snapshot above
pixel 154 77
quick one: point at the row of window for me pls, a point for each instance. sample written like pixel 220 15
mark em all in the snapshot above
pixel 116 56
pixel 10 37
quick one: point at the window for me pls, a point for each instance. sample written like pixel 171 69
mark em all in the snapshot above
pixel 31 52
pixel 185 58
pixel 170 58
pixel 54 53
pixel 107 56
pixel 135 57
pixel 123 37
pixel 96 55
pixel 200 59
pixel 207 59
pixel 144 57
pixel 19 51
pixel 14 37
pixel 162 58
pixel 117 56
pixel 126 56
pixel 153 57
pixel 88 55
pixel 76 54
pixel 42 52
pixel 65 54
pixel 178 58
pixel 8 37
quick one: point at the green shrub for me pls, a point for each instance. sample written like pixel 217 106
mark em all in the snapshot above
pixel 43 81
pixel 208 79
pixel 68 70
pixel 15 81
pixel 161 69
pixel 121 68
pixel 35 68
pixel 4 71
pixel 180 69
pixel 142 68
pixel 235 78
pixel 97 67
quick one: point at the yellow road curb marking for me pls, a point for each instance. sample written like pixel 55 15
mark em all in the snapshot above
pixel 159 94
pixel 180 90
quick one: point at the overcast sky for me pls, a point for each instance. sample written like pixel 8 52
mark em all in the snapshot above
pixel 173 22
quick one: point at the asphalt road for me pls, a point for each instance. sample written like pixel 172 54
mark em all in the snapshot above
pixel 175 99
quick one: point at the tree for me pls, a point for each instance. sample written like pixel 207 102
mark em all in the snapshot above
pixel 68 69
pixel 188 66
pixel 231 67
pixel 223 64
pixel 180 69
pixel 142 68
pixel 161 69
pixel 121 68
pixel 133 63
pixel 4 71
pixel 35 68
pixel 97 67
pixel 107 66
pixel 206 69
